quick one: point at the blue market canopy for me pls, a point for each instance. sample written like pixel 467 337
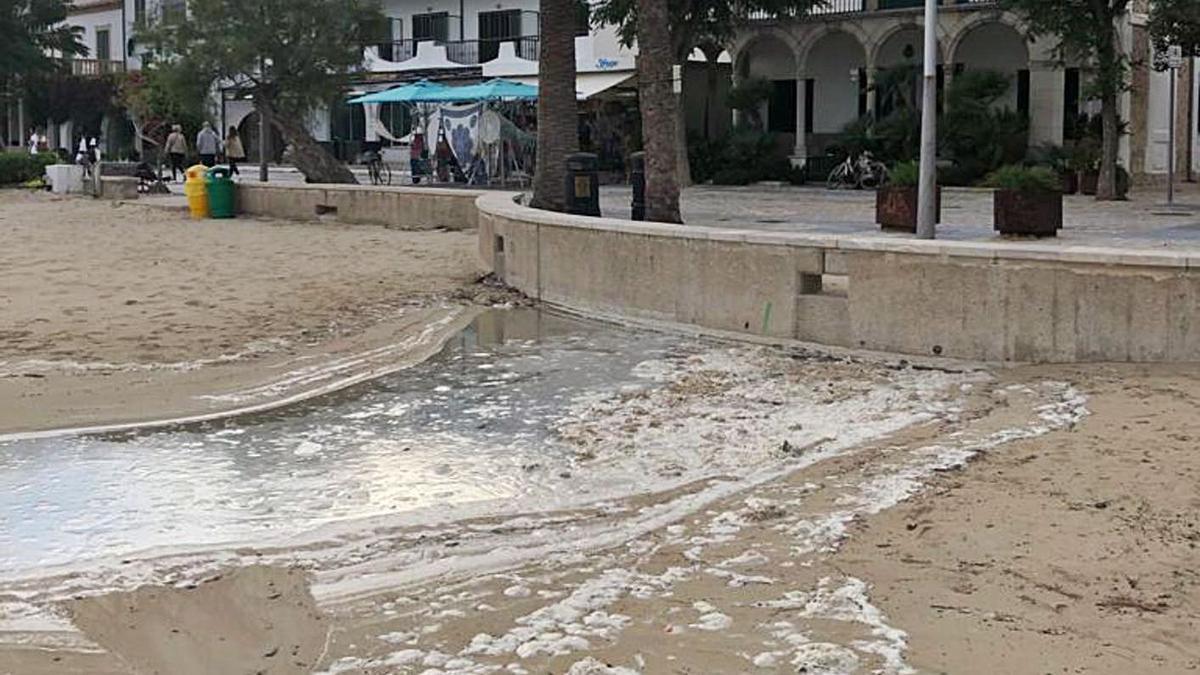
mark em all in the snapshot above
pixel 492 90
pixel 417 92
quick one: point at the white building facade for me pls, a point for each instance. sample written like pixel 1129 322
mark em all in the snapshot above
pixel 824 67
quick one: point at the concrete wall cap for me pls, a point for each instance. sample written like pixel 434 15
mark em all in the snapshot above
pixel 502 204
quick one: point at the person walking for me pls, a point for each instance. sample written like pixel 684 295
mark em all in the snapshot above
pixel 234 151
pixel 416 156
pixel 208 144
pixel 177 148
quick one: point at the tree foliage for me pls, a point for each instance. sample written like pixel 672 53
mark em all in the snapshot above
pixel 162 94
pixel 31 31
pixel 291 56
pixel 1176 22
pixel 1086 31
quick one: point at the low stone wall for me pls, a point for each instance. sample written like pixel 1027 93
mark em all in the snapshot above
pixel 406 208
pixel 979 301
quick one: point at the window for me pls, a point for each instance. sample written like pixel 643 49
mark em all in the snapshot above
pixel 139 11
pixel 497 27
pixel 103 44
pixel 174 10
pixel 431 26
pixel 583 17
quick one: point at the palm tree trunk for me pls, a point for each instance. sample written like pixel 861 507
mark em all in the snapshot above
pixel 659 119
pixel 558 126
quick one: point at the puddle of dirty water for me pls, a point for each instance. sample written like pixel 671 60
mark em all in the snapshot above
pixel 522 410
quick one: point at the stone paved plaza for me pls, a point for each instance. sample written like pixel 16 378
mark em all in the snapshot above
pixel 1142 222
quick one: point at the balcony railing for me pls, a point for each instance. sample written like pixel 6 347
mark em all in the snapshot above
pixel 836 7
pixel 95 67
pixel 464 52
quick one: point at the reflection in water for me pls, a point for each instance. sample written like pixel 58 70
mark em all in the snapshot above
pixel 472 424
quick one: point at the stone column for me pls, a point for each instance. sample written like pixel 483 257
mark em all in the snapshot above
pixel 22 131
pixel 872 99
pixel 1046 104
pixel 800 153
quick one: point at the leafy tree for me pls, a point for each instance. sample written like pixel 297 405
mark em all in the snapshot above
pixel 32 30
pixel 1086 30
pixel 162 94
pixel 1176 22
pixel 558 126
pixel 290 56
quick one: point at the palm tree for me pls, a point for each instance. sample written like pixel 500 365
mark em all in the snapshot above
pixel 558 127
pixel 656 96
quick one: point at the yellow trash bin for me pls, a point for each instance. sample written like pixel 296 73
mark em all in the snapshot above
pixel 196 190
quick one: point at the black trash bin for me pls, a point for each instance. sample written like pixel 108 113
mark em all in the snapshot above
pixel 583 184
pixel 637 179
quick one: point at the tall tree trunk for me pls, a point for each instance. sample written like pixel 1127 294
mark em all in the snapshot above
pixel 1106 186
pixel 1111 79
pixel 310 157
pixel 558 126
pixel 659 119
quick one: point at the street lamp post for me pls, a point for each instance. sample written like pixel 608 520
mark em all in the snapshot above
pixel 927 189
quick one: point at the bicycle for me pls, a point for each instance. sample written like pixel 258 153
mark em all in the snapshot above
pixel 378 170
pixel 862 172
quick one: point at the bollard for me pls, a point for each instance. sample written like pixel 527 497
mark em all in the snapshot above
pixel 583 184
pixel 637 179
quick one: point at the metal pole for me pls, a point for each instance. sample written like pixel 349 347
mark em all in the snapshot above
pixel 927 190
pixel 1171 143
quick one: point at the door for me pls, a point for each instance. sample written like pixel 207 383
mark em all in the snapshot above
pixel 431 26
pixel 103 45
pixel 497 27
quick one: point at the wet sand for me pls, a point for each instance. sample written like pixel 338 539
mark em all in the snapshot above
pixel 1043 522
pixel 114 313
pixel 1043 527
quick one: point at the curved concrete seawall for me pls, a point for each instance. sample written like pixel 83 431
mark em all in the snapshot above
pixel 971 300
pixel 405 208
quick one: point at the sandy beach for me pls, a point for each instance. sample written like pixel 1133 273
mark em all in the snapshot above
pixel 121 313
pixel 649 502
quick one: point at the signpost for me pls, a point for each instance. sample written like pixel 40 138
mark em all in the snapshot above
pixel 927 189
pixel 1174 63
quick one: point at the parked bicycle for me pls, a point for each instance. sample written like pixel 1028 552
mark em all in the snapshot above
pixel 377 169
pixel 858 173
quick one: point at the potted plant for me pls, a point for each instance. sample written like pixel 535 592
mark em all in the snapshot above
pixel 1027 201
pixel 896 202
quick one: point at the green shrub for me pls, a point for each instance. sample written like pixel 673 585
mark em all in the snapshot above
pixel 1024 179
pixel 745 156
pixel 21 167
pixel 905 174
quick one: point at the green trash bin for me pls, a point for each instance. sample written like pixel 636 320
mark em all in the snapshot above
pixel 220 192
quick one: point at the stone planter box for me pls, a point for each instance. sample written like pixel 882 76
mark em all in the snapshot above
pixel 1037 214
pixel 1088 182
pixel 1070 183
pixel 896 207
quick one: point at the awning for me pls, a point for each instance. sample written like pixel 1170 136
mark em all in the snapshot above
pixel 590 85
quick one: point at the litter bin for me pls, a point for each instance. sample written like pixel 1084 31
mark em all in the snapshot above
pixel 196 190
pixel 219 182
pixel 583 184
pixel 637 180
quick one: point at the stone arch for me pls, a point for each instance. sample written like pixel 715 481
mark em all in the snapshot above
pixel 880 47
pixel 997 46
pixel 772 41
pixel 852 29
pixel 976 19
pixel 836 64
